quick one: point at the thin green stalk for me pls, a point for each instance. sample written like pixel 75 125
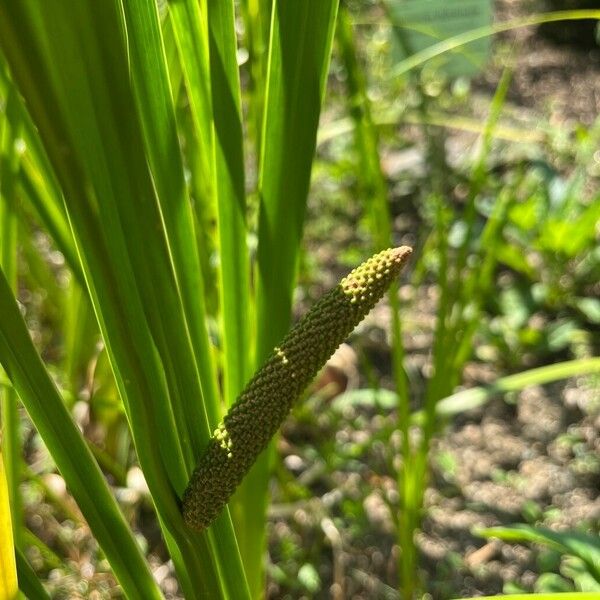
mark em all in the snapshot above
pixel 29 583
pixel 452 330
pixel 9 414
pixel 50 559
pixel 8 571
pixel 189 20
pixel 463 295
pixel 478 283
pixel 375 191
pixel 257 16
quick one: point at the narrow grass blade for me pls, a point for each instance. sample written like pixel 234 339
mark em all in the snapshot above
pixel 10 440
pixel 37 194
pixel 475 397
pixel 205 36
pixel 374 189
pixel 69 450
pixel 154 98
pixel 49 558
pixel 375 199
pixel 234 268
pixel 257 16
pixel 561 596
pixel 29 583
pixel 8 569
pixel 70 64
pixel 390 118
pixel 583 546
pixel 155 103
pixel 39 188
pixel 231 200
pixel 300 48
pixel 189 20
pixel 299 52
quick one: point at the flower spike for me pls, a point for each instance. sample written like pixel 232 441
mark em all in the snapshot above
pixel 267 399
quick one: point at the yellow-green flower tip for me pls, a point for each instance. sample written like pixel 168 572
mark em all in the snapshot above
pixel 267 399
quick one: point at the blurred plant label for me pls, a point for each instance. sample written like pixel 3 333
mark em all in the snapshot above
pixel 422 23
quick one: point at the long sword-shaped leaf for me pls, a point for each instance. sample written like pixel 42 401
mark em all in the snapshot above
pixel 155 103
pixel 299 53
pixel 477 396
pixel 10 442
pixel 300 49
pixel 33 62
pixel 205 36
pixel 231 200
pixel 39 188
pixel 158 119
pixel 70 64
pixel 8 569
pixel 29 583
pixel 69 450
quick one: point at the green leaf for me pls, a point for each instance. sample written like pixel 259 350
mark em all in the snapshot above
pixel 561 596
pixel 10 164
pixel 552 582
pixel 71 64
pixel 475 397
pixel 380 398
pixel 583 546
pixel 231 200
pixel 29 583
pixel 69 450
pixel 590 307
pixel 577 570
pixel 299 53
pixel 8 569
pixel 154 100
pixel 300 48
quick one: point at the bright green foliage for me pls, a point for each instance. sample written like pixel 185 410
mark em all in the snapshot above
pixel 267 399
pixel 120 184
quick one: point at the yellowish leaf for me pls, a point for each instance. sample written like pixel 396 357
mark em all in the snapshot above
pixel 8 569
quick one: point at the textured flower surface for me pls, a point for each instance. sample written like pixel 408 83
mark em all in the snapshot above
pixel 267 399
